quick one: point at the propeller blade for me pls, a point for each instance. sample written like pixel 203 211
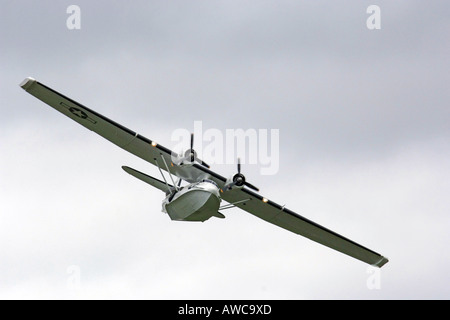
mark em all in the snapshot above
pixel 205 164
pixel 239 179
pixel 192 154
pixel 251 186
pixel 202 162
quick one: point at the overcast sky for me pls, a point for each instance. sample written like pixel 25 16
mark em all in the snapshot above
pixel 364 147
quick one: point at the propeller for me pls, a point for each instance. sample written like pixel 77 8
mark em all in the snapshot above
pixel 191 155
pixel 239 180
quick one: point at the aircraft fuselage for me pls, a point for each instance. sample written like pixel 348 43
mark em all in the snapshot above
pixel 196 202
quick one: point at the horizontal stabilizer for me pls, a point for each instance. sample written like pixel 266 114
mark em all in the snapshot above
pixel 161 185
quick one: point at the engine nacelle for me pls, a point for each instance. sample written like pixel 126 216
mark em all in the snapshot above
pixel 238 181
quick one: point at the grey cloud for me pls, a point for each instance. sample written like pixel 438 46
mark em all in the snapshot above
pixel 363 118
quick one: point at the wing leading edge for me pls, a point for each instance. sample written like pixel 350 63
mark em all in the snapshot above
pixel 151 152
pixel 119 135
pixel 289 220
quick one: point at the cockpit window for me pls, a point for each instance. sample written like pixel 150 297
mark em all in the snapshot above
pixel 210 181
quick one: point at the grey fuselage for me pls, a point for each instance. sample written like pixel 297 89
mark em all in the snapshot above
pixel 198 201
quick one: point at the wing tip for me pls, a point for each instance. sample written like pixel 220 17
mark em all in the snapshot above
pixel 27 83
pixel 381 262
pixel 127 169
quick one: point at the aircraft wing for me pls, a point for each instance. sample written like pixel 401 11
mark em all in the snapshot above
pixel 119 135
pixel 156 154
pixel 281 216
pixel 289 220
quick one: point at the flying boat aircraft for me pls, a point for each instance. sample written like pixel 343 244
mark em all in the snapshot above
pixel 201 198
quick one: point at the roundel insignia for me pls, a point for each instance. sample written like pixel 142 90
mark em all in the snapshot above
pixel 78 112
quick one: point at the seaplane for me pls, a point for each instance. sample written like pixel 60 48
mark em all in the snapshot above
pixel 200 199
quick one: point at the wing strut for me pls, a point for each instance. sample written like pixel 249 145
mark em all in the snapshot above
pixel 167 168
pixel 168 188
pixel 232 205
